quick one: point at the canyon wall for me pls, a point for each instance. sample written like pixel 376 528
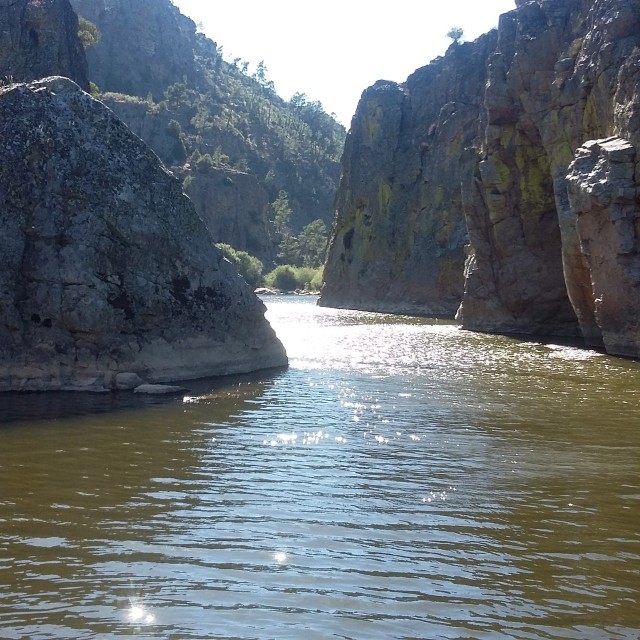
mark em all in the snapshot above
pixel 399 232
pixel 145 45
pixel 549 189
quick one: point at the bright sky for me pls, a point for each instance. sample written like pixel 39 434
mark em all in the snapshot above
pixel 333 50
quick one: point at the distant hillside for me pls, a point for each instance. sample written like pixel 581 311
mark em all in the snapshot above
pixel 233 140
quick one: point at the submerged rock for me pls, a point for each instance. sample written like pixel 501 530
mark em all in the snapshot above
pixel 107 269
pixel 159 389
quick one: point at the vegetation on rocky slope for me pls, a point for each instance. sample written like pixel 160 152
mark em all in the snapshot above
pixel 216 121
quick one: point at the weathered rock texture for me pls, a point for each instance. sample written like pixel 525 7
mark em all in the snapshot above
pixel 39 38
pixel 109 276
pixel 399 232
pixel 145 45
pixel 604 195
pixel 235 208
pixel 549 197
pixel 553 84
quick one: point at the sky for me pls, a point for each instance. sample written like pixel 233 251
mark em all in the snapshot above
pixel 332 50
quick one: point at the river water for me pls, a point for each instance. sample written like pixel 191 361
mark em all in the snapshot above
pixel 402 479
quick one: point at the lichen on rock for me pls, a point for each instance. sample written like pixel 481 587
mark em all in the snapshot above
pixel 107 267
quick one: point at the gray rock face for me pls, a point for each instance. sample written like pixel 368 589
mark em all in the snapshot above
pixel 564 72
pixel 234 205
pixel 605 198
pixel 514 276
pixel 39 38
pixel 146 45
pixel 107 268
pixel 399 230
pixel 235 208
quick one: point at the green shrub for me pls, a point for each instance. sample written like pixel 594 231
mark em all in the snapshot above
pixel 317 280
pixel 248 266
pixel 283 278
pixel 87 33
pixel 287 277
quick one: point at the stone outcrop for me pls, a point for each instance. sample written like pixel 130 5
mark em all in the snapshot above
pixel 514 278
pixel 399 232
pixel 235 208
pixel 550 199
pixel 39 38
pixel 561 75
pixel 604 194
pixel 109 277
pixel 145 45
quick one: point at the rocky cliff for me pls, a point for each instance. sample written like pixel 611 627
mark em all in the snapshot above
pixel 145 45
pixel 554 82
pixel 399 232
pixel 549 190
pixel 234 204
pixel 109 276
pixel 39 38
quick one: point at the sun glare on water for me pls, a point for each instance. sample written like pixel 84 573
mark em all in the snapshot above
pixel 138 614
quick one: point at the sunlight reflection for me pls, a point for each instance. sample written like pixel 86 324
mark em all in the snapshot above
pixel 438 496
pixel 280 556
pixel 138 614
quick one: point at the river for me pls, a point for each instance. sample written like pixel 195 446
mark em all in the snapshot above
pixel 402 479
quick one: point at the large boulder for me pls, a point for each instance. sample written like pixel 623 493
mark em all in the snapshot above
pixel 39 38
pixel 107 269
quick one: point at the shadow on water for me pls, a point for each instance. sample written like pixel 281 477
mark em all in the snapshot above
pixel 17 408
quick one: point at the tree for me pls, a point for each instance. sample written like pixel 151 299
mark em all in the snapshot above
pixel 87 33
pixel 282 213
pixel 312 244
pixel 176 94
pixel 289 250
pixel 178 151
pixel 261 73
pixel 455 33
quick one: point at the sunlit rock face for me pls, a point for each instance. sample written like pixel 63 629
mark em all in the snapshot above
pixel 603 193
pixel 108 273
pixel 399 232
pixel 39 38
pixel 564 72
pixel 547 255
pixel 514 275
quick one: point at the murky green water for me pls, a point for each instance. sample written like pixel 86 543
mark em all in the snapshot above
pixel 403 479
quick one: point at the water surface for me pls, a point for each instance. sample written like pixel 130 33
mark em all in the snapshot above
pixel 402 479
